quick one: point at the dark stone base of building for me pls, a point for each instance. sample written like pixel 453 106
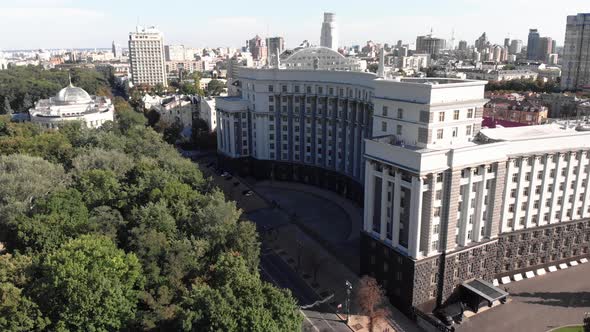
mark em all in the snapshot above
pixel 307 174
pixel 434 281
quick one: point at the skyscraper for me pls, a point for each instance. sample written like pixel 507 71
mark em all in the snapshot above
pixel 329 37
pixel 462 45
pixel 576 53
pixel 545 48
pixel 258 48
pixel 429 44
pixel 515 46
pixel 506 42
pixel 146 56
pixel 116 48
pixel 532 51
pixel 276 46
pixel 481 42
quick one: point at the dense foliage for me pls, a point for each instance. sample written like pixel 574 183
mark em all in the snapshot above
pixel 21 86
pixel 524 86
pixel 110 229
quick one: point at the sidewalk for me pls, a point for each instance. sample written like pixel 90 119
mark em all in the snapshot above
pixel 294 246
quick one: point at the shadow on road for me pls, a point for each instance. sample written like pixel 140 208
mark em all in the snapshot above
pixel 560 299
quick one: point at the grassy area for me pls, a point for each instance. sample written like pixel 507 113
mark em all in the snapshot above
pixel 575 328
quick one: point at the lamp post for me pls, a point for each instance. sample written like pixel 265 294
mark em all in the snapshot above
pixel 348 290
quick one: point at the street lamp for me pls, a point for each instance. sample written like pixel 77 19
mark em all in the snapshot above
pixel 348 290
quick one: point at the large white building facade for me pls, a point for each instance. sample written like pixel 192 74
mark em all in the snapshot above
pixel 576 53
pixel 445 201
pixel 146 56
pixel 72 104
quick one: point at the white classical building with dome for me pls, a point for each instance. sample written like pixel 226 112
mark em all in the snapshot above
pixel 72 104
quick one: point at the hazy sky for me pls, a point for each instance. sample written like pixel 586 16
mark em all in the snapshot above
pixel 27 24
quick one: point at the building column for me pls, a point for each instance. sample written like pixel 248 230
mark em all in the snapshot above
pixel 396 209
pixel 555 195
pixel 452 186
pixel 415 217
pixel 369 185
pixel 478 213
pixel 384 186
pixel 497 215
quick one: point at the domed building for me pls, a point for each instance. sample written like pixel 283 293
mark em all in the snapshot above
pixel 72 104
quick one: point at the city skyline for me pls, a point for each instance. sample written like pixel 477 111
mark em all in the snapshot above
pixel 69 24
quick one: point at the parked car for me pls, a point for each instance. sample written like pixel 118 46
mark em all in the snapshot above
pixel 224 174
pixel 247 193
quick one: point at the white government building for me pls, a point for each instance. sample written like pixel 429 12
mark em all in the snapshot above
pixel 445 201
pixel 72 104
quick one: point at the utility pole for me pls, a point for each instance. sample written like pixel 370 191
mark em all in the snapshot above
pixel 348 290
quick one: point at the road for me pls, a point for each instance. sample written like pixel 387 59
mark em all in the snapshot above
pixel 319 318
pixel 273 268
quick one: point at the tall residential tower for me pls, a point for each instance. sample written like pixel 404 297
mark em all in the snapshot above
pixel 329 37
pixel 576 53
pixel 146 56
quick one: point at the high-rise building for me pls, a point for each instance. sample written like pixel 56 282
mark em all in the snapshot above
pixel 481 43
pixel 276 46
pixel 258 49
pixel 545 48
pixel 116 49
pixel 576 53
pixel 463 45
pixel 174 52
pixel 329 36
pixel 515 46
pixel 429 44
pixel 532 47
pixel 506 42
pixel 146 56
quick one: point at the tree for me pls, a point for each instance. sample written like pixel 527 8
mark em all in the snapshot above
pixel 234 299
pixel 371 300
pixel 215 87
pixel 17 311
pixel 128 119
pixel 27 102
pixel 89 285
pixel 53 220
pixel 6 109
pixel 587 323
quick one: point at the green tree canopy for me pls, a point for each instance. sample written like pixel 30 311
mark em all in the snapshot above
pixel 89 285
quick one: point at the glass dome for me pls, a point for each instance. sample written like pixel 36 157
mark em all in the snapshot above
pixel 73 95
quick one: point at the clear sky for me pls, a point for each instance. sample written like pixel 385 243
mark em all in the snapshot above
pixel 27 24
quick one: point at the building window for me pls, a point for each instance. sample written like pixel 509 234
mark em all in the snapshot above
pixel 398 130
pixel 439 177
pixel 470 113
pixel 439 134
pixel 424 116
pixel 468 130
pixel 456 115
pixel 270 88
pixel 441 116
pixel 400 113
pixel 383 126
pixel 455 131
pixel 384 111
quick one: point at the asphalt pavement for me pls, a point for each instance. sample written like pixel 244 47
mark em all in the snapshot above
pixel 319 318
